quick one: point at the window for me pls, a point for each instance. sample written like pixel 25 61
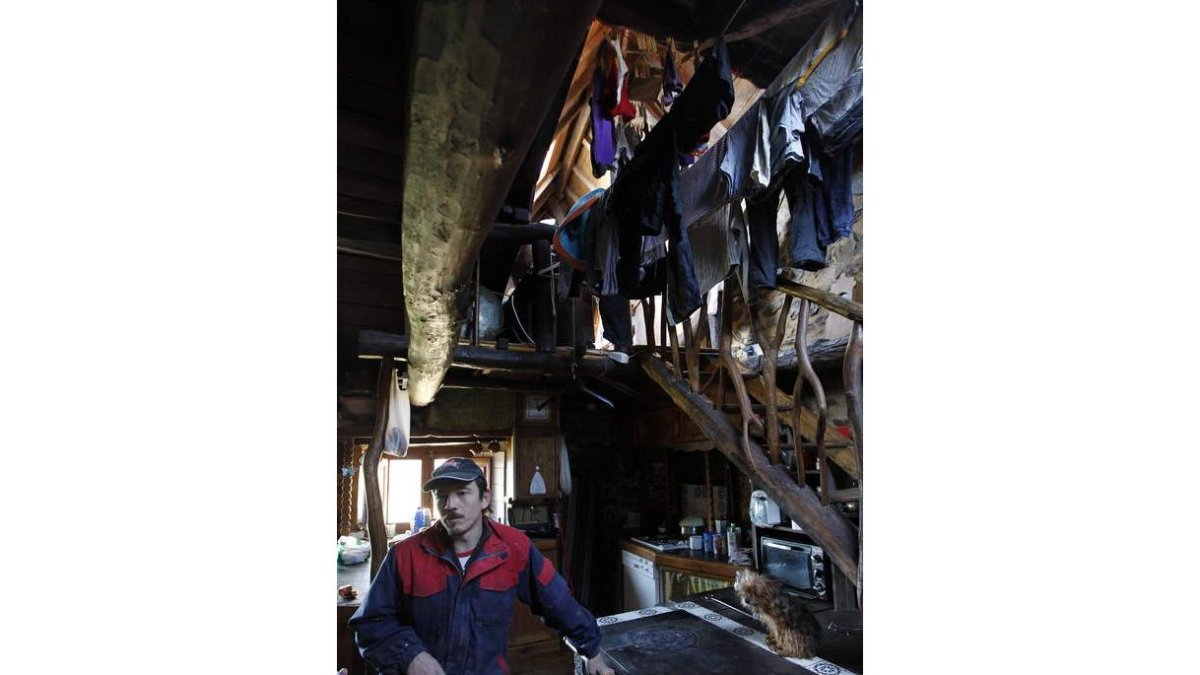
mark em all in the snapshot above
pixel 400 486
pixel 402 494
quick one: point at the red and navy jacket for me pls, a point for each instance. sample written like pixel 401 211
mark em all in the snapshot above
pixel 421 601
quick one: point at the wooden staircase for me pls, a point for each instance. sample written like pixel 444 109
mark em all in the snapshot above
pixel 786 449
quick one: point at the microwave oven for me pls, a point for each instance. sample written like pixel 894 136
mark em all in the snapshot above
pixel 795 560
pixel 534 517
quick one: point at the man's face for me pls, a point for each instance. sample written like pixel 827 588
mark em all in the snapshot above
pixel 461 506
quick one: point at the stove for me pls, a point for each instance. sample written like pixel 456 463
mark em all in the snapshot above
pixel 664 542
pixel 689 638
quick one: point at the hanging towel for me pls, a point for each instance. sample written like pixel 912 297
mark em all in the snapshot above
pixel 395 437
pixel 564 467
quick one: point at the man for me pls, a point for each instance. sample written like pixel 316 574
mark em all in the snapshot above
pixel 443 599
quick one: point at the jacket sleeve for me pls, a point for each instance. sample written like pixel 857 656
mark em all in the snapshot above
pixel 384 639
pixel 546 592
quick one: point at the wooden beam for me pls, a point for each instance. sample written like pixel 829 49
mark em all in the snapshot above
pixel 378 343
pixel 570 151
pixel 369 249
pixel 834 303
pixel 520 233
pixel 824 354
pixel 823 523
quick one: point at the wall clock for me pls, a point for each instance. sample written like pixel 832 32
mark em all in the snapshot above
pixel 537 407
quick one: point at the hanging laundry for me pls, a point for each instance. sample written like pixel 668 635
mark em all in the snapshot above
pixel 627 139
pixel 821 211
pixel 796 143
pixel 619 76
pixel 783 128
pixel 828 72
pixel 396 434
pixel 616 322
pixel 689 157
pixel 603 145
pixel 646 196
pixel 837 174
pixel 564 466
pixel 672 83
pixel 833 93
pixel 573 238
pixel 719 243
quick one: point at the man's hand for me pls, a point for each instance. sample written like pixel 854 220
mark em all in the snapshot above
pixel 425 664
pixel 597 666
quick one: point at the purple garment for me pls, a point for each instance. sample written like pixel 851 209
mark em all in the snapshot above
pixel 672 83
pixel 604 149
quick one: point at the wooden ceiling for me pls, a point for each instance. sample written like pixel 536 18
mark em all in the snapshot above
pixel 532 61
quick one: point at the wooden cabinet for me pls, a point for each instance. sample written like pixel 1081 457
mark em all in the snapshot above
pixel 527 627
pixel 347 650
pixel 684 574
pixel 535 452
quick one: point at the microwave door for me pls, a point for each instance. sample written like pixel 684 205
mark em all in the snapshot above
pixel 790 564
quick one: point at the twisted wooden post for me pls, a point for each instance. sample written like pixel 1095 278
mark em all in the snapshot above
pixel 376 530
pixel 807 374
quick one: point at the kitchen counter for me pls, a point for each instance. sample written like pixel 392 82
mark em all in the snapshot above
pixel 685 560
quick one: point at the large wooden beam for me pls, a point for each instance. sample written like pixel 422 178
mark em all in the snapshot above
pixel 823 523
pixel 479 95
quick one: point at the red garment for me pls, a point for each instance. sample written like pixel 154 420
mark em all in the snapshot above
pixel 624 108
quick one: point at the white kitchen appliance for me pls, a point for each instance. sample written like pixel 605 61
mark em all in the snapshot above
pixel 763 510
pixel 641 582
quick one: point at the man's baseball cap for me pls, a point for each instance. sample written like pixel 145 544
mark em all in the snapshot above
pixel 456 469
